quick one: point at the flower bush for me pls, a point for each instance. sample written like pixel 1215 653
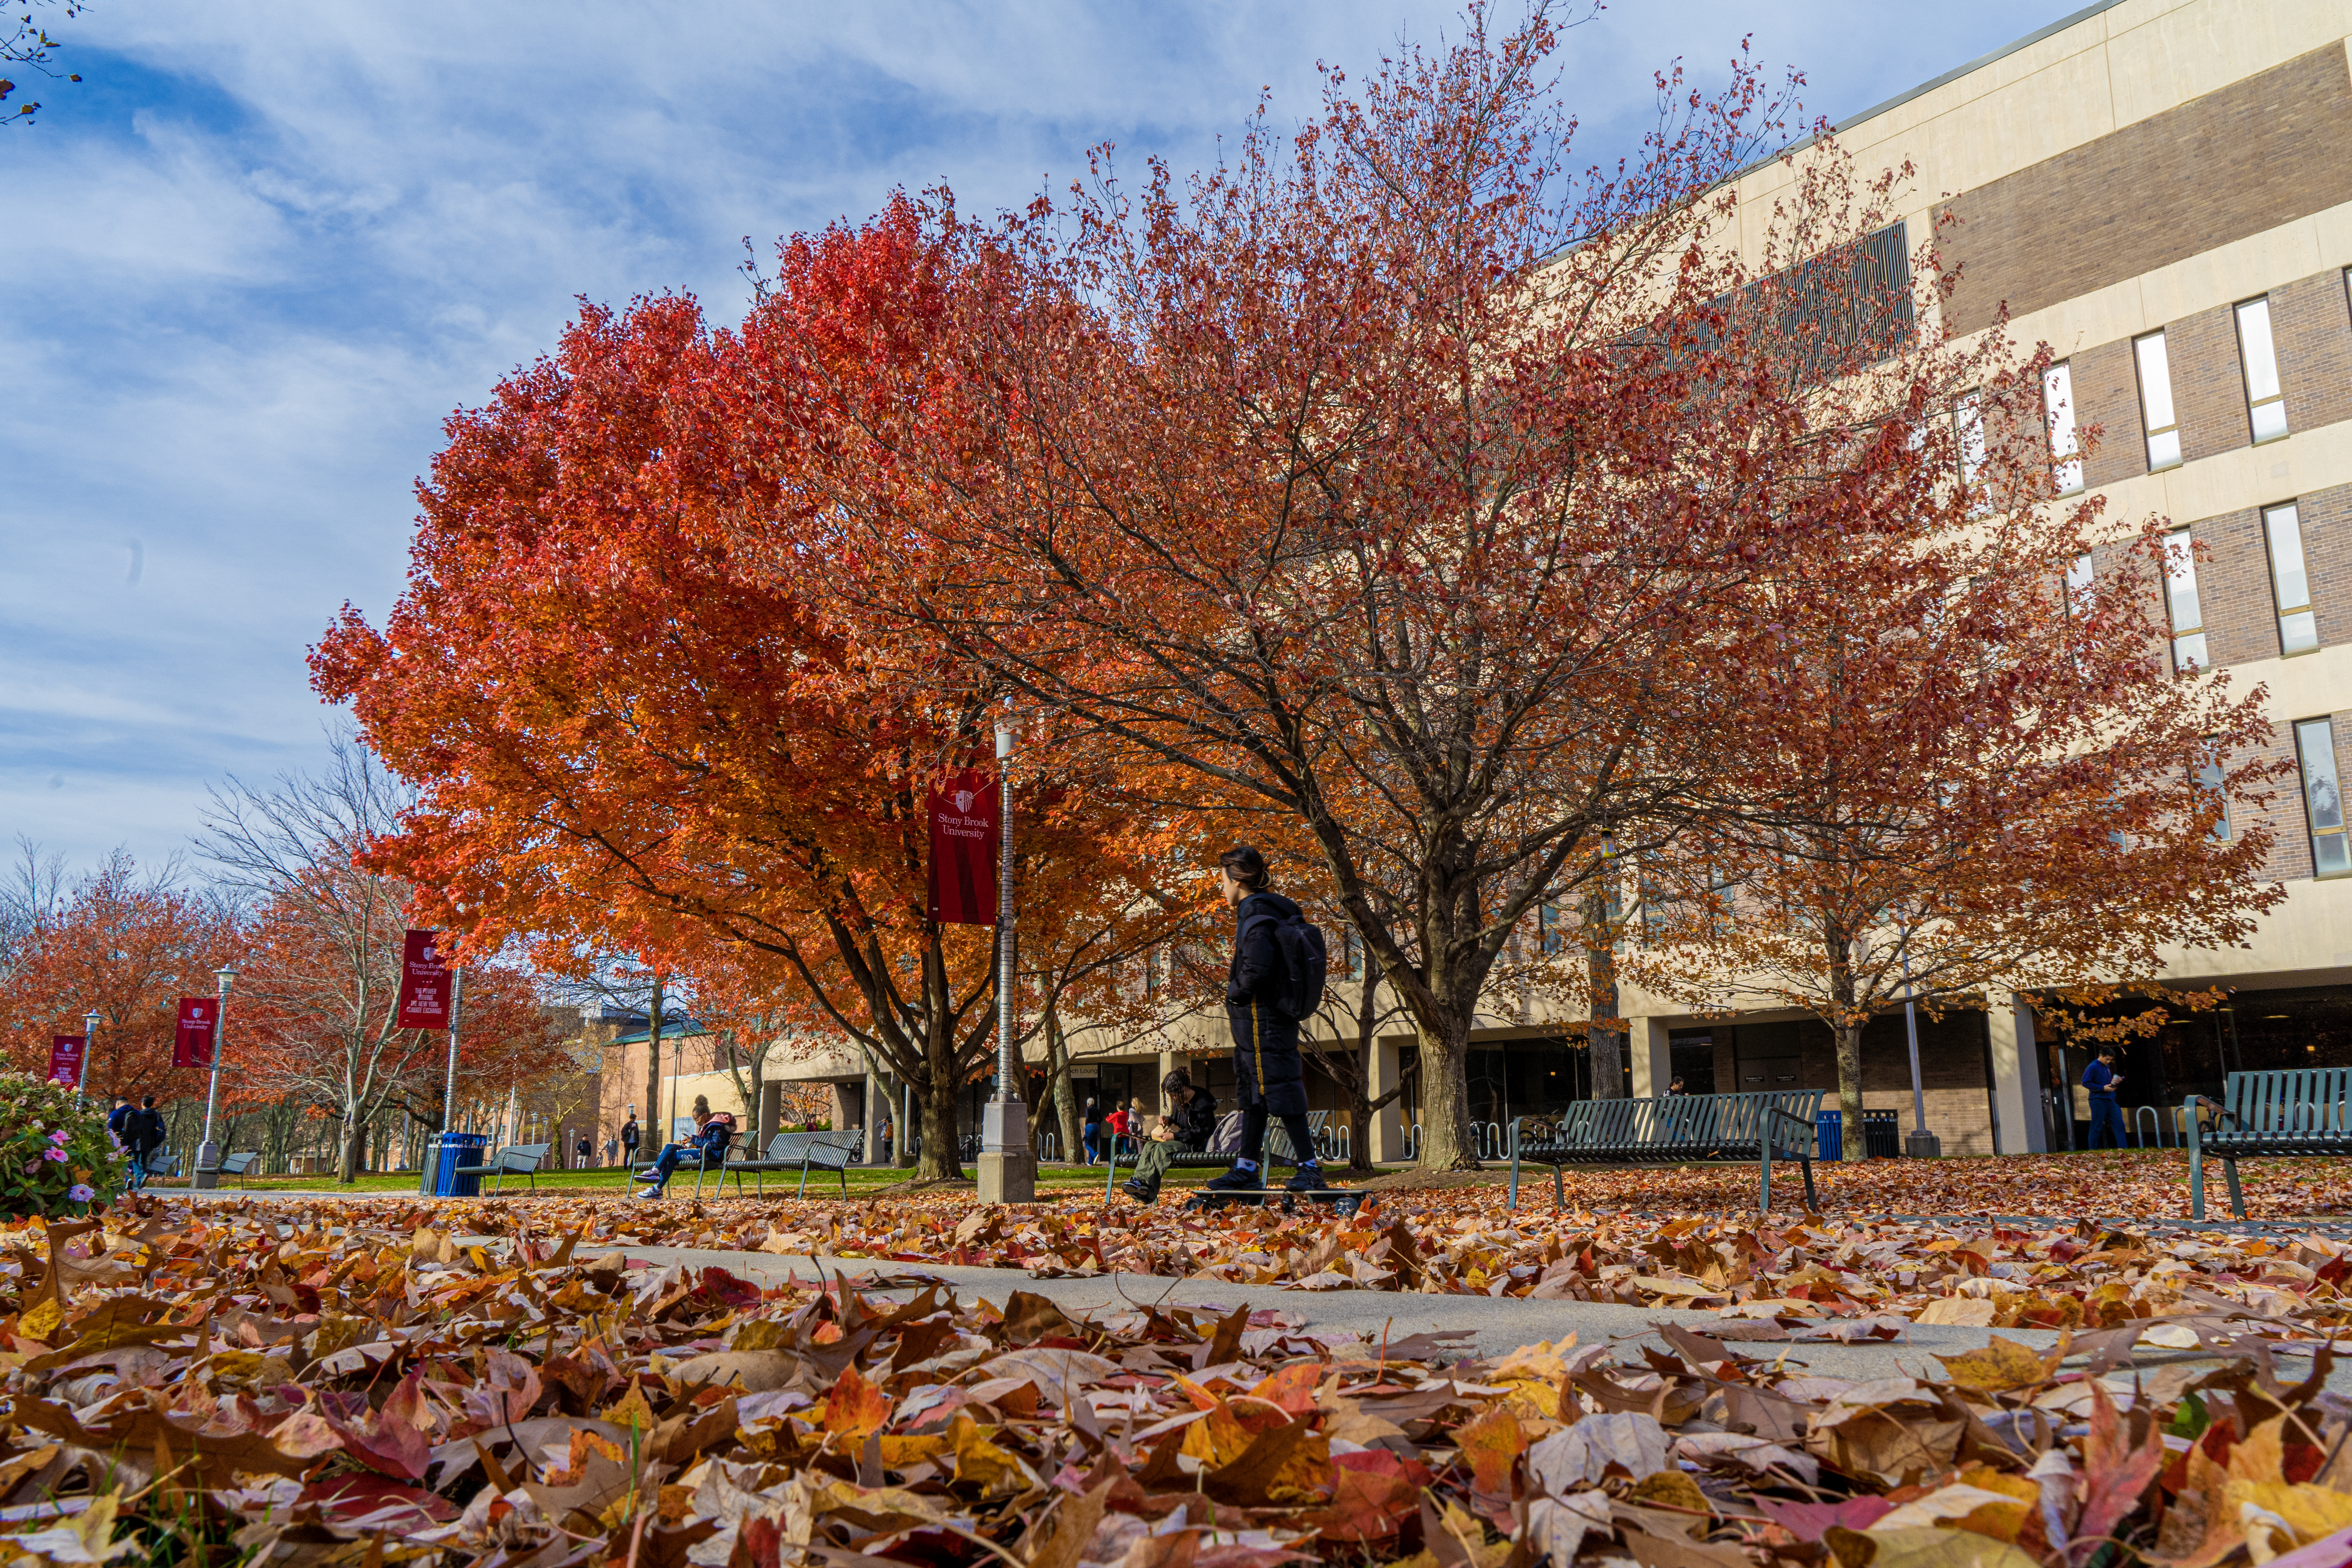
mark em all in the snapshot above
pixel 55 1159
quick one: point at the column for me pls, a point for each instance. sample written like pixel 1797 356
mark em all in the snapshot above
pixel 877 1102
pixel 769 1114
pixel 1169 1062
pixel 1387 1132
pixel 1648 1043
pixel 2019 1127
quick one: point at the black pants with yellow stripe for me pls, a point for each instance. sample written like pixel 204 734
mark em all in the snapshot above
pixel 1272 1076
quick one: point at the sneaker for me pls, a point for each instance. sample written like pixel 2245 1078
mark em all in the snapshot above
pixel 1309 1178
pixel 1142 1192
pixel 1236 1180
pixel 649 1192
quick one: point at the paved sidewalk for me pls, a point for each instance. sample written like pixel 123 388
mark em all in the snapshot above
pixel 1494 1324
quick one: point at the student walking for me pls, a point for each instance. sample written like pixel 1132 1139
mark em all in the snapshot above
pixel 630 1137
pixel 1272 1076
pixel 1121 1125
pixel 1090 1130
pixel 143 1134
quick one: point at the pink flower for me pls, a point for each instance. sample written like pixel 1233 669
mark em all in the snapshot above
pixel 57 1155
pixel 58 1136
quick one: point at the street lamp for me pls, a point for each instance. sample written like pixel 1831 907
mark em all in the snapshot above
pixel 208 1152
pixel 89 1044
pixel 1008 1166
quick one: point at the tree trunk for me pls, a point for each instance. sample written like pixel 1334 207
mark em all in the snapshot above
pixel 653 1117
pixel 940 1160
pixel 347 1155
pixel 1064 1092
pixel 1446 1140
pixel 1849 1068
pixel 1359 1114
pixel 903 1152
pixel 1604 1043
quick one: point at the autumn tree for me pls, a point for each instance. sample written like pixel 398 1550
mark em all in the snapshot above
pixel 1967 768
pixel 317 996
pixel 624 736
pixel 1397 480
pixel 124 943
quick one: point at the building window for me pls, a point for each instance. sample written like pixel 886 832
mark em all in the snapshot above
pixel 1548 928
pixel 2180 600
pixel 2155 402
pixel 2058 409
pixel 1967 417
pixel 2290 584
pixel 2264 402
pixel 2078 584
pixel 2323 802
pixel 1351 944
pixel 2209 780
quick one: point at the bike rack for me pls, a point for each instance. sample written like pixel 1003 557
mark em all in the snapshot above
pixel 2139 1140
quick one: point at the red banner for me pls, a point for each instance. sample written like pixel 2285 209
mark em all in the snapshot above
pixel 964 849
pixel 65 1057
pixel 199 1032
pixel 424 984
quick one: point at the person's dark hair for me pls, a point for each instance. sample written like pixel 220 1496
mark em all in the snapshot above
pixel 1245 866
pixel 1176 1081
pixel 149 1103
pixel 2107 1053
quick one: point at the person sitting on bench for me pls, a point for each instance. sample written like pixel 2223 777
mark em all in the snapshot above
pixel 1191 1122
pixel 710 1136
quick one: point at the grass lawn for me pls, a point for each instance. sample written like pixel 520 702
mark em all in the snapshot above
pixel 1051 1178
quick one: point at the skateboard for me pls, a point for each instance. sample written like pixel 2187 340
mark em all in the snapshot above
pixel 1341 1201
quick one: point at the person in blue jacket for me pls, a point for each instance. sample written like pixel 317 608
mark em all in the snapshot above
pixel 710 1135
pixel 2102 1079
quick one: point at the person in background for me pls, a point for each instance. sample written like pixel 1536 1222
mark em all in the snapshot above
pixel 118 1116
pixel 1676 1086
pixel 1090 1130
pixel 1120 1121
pixel 1191 1122
pixel 586 1152
pixel 630 1138
pixel 143 1134
pixel 2102 1079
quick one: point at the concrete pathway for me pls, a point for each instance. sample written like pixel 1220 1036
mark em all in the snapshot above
pixel 1494 1324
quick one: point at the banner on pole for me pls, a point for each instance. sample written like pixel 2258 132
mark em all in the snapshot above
pixel 964 848
pixel 65 1057
pixel 423 983
pixel 199 1032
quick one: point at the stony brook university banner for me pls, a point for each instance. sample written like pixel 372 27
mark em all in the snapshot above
pixel 964 849
pixel 65 1057
pixel 423 983
pixel 199 1032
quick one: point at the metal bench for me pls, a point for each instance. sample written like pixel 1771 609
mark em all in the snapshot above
pixel 801 1152
pixel 2304 1111
pixel 1279 1152
pixel 715 1163
pixel 1673 1129
pixel 520 1159
pixel 164 1165
pixel 241 1165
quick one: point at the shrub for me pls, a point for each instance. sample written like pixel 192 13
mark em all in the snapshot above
pixel 53 1158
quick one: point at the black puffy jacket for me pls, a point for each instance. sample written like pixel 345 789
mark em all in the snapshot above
pixel 1265 1039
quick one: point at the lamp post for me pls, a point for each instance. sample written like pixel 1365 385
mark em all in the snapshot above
pixel 208 1152
pixel 1919 1144
pixel 89 1044
pixel 1008 1166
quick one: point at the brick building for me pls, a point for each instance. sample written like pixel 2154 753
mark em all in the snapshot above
pixel 2162 190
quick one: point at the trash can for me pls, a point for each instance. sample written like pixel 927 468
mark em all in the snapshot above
pixel 442 1158
pixel 1882 1135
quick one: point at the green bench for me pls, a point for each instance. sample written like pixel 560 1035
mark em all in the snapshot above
pixel 2301 1110
pixel 516 1159
pixel 1279 1152
pixel 1671 1130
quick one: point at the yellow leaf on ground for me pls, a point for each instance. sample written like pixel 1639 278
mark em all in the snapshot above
pixel 854 1408
pixel 1960 1312
pixel 2001 1365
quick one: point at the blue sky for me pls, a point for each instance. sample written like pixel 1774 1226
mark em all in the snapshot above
pixel 264 249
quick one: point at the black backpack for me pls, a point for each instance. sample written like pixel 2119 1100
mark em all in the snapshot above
pixel 1307 960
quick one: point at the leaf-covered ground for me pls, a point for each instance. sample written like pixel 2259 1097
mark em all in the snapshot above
pixel 293 1383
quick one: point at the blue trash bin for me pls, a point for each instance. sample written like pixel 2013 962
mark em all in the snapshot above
pixel 1829 1134
pixel 450 1150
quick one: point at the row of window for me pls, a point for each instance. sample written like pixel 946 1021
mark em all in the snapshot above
pixel 2298 627
pixel 2258 365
